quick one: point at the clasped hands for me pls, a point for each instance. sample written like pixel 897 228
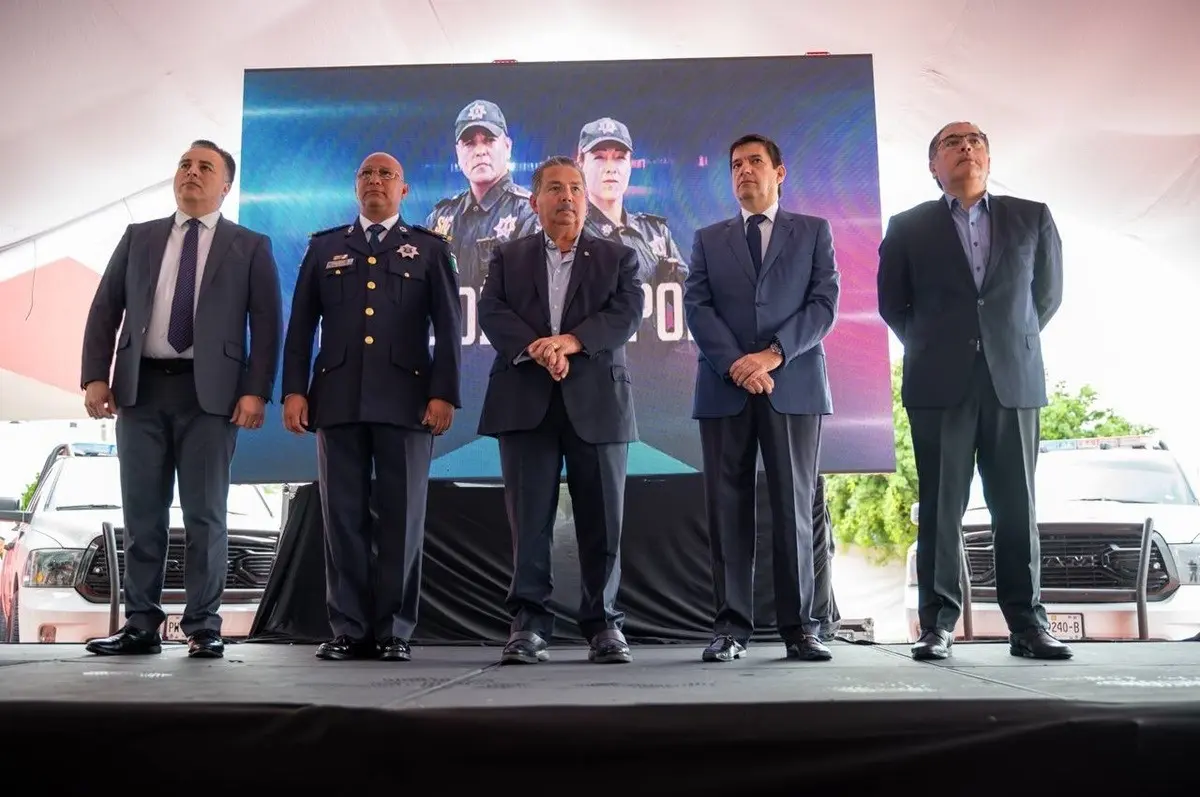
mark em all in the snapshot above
pixel 551 353
pixel 751 372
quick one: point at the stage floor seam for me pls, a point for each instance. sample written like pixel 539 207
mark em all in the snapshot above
pixel 950 666
pixel 401 702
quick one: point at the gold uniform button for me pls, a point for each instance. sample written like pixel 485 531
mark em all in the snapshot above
pixel 370 261
pixel 337 271
pixel 406 275
pixel 370 286
pixel 370 311
pixel 369 340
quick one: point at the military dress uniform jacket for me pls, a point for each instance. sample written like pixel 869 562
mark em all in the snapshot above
pixel 376 308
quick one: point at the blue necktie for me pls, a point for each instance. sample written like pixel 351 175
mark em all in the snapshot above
pixel 183 306
pixel 754 239
pixel 376 235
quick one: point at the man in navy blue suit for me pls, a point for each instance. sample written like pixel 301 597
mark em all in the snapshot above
pixel 761 296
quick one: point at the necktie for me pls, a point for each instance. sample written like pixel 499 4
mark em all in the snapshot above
pixel 183 306
pixel 376 235
pixel 754 239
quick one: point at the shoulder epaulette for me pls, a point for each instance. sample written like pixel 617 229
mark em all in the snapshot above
pixel 429 231
pixel 328 230
pixel 651 217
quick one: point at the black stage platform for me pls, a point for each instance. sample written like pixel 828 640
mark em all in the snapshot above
pixel 1119 718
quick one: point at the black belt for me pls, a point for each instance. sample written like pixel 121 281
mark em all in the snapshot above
pixel 181 365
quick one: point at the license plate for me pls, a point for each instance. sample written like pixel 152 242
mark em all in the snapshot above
pixel 1066 626
pixel 172 632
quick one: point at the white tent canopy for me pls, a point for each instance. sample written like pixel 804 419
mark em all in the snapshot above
pixel 1093 107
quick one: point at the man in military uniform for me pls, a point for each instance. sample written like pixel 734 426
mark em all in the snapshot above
pixel 493 209
pixel 376 398
pixel 662 370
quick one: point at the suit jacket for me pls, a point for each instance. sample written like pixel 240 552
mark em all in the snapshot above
pixel 375 309
pixel 732 312
pixel 239 288
pixel 603 308
pixel 928 297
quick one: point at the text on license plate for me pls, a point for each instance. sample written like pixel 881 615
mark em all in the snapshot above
pixel 1066 626
pixel 171 631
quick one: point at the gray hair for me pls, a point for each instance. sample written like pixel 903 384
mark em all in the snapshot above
pixel 554 160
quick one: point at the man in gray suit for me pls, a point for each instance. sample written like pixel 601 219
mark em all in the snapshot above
pixel 181 292
pixel 967 282
pixel 761 296
pixel 559 307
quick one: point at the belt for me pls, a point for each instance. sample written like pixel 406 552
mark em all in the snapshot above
pixel 181 365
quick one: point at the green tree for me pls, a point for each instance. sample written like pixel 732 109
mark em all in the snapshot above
pixel 873 511
pixel 29 491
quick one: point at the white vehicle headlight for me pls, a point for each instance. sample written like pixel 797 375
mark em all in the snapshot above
pixel 52 567
pixel 1187 562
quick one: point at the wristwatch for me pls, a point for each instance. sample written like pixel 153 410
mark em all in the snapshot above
pixel 775 347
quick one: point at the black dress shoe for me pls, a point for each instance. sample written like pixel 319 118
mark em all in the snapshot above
pixel 723 648
pixel 934 645
pixel 1036 643
pixel 205 644
pixel 345 648
pixel 525 647
pixel 808 648
pixel 609 647
pixel 128 641
pixel 395 649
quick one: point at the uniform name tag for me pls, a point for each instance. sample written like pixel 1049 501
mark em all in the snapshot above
pixel 339 261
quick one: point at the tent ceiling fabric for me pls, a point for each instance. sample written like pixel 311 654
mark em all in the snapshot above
pixel 1092 106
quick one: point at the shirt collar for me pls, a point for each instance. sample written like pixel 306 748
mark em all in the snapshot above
pixel 387 223
pixel 769 213
pixel 952 201
pixel 209 220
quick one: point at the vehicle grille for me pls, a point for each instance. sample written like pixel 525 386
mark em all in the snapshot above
pixel 250 563
pixel 1091 560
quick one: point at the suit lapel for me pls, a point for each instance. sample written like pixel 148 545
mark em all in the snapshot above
pixel 581 264
pixel 736 234
pixel 541 280
pixel 781 233
pixel 156 248
pixel 222 238
pixel 998 218
pixel 949 235
pixel 356 239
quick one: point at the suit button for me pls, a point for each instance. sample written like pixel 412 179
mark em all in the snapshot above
pixel 370 261
pixel 369 340
pixel 370 286
pixel 370 311
pixel 416 372
pixel 406 275
pixel 980 302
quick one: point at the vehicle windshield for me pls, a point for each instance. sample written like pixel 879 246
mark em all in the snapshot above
pixel 95 483
pixel 1103 476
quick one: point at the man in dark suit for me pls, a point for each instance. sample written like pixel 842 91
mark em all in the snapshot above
pixel 761 296
pixel 825 607
pixel 184 382
pixel 559 307
pixel 967 282
pixel 376 398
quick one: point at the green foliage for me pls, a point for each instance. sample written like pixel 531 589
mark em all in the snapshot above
pixel 872 511
pixel 29 490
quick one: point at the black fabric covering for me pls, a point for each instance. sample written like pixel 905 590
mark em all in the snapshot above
pixel 968 747
pixel 666 587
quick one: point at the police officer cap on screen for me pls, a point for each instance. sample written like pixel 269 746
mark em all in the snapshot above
pixel 493 208
pixel 606 159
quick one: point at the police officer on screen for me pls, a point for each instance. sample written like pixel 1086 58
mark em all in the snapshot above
pixel 493 209
pixel 606 158
pixel 376 399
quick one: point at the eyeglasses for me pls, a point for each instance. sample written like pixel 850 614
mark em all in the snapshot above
pixel 955 140
pixel 384 174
